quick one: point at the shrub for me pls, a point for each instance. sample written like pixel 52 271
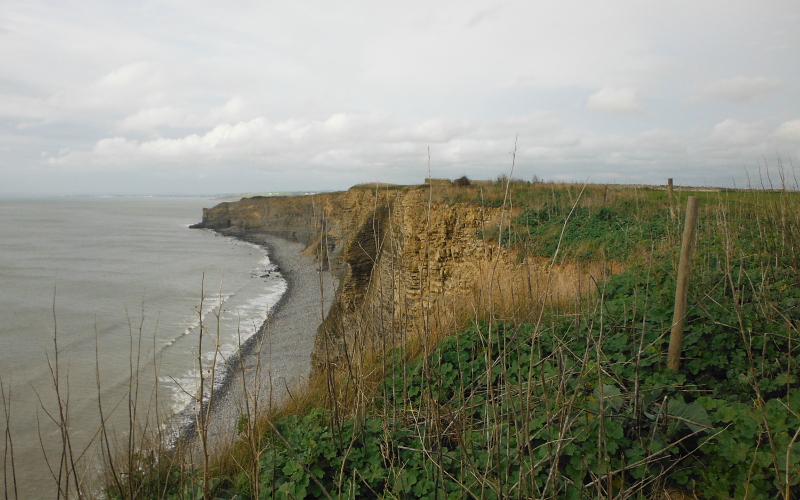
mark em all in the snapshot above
pixel 462 181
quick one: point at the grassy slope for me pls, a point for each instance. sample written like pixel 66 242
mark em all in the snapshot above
pixel 576 403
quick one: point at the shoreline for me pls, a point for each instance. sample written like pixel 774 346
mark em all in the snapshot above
pixel 277 358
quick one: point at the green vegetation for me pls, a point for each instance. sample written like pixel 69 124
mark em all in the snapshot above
pixel 577 402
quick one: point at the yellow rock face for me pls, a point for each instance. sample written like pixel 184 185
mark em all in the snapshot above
pixel 410 268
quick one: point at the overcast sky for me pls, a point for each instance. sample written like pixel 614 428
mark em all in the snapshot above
pixel 202 97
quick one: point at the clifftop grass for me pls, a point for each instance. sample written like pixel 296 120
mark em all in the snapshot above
pixel 573 400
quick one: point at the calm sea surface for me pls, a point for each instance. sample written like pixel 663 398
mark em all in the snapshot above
pixel 118 280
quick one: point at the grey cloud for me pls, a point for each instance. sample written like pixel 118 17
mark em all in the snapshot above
pixel 736 89
pixel 483 14
pixel 363 88
pixel 25 108
pixel 471 147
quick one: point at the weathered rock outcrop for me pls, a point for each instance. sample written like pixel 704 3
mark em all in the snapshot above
pixel 408 267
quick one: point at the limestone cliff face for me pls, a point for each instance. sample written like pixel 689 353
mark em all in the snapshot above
pixel 409 267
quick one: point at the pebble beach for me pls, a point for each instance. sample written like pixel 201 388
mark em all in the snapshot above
pixel 278 359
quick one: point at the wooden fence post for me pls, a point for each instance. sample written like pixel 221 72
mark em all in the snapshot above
pixel 684 270
pixel 671 196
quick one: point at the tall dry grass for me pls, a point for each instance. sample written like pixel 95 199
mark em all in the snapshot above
pixel 518 293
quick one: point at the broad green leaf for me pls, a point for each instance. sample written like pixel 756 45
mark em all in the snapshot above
pixel 693 415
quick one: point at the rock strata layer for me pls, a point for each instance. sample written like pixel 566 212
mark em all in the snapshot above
pixel 408 267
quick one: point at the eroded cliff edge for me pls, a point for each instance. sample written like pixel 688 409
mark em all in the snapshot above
pixel 411 262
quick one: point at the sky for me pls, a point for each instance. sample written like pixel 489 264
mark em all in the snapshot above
pixel 199 97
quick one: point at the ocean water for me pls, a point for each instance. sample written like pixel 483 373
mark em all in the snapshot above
pixel 115 285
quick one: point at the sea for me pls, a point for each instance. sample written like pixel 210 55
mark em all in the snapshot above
pixel 102 300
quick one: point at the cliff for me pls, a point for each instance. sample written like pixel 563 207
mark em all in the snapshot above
pixel 412 262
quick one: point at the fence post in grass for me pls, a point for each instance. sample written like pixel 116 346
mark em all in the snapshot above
pixel 684 268
pixel 671 196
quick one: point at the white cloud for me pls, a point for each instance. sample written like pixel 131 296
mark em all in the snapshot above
pixel 349 142
pixel 365 87
pixel 139 74
pixel 614 100
pixel 736 89
pixel 789 131
pixel 734 133
pixel 181 117
pixel 358 139
pixel 434 130
pixel 152 118
pixel 344 148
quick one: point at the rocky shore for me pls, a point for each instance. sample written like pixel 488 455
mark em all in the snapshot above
pixel 278 359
